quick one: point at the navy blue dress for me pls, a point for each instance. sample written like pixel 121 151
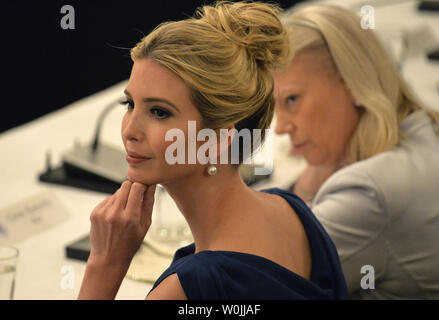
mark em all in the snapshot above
pixel 217 275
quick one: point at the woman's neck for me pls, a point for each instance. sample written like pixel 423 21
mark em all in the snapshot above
pixel 211 204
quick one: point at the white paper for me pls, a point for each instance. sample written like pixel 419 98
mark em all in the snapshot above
pixel 30 216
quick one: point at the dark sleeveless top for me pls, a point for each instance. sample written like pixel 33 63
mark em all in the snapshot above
pixel 215 275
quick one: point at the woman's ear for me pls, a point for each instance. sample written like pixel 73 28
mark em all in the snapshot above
pixel 217 147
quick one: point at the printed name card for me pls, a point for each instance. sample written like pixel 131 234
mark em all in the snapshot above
pixel 30 216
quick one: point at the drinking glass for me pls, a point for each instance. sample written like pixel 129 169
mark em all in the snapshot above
pixel 169 228
pixel 8 264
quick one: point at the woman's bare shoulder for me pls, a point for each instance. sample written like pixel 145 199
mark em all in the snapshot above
pixel 283 239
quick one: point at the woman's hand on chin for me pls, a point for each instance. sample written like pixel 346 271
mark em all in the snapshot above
pixel 118 226
pixel 120 222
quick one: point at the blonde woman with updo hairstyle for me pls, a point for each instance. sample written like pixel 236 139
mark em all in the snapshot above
pixel 213 71
pixel 372 153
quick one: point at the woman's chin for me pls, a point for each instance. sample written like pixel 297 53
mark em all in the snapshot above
pixel 134 176
pixel 314 160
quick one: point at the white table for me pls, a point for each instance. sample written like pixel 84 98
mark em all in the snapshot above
pixel 23 155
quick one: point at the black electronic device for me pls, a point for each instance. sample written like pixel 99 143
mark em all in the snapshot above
pixel 79 249
pixel 433 55
pixel 429 6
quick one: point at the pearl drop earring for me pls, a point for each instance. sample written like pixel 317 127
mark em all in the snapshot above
pixel 211 170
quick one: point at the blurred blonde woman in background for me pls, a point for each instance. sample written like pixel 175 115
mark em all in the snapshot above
pixel 372 153
pixel 214 70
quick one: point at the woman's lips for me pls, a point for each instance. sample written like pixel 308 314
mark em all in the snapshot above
pixel 134 159
pixel 298 148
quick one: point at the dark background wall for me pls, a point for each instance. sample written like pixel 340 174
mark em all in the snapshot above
pixel 45 67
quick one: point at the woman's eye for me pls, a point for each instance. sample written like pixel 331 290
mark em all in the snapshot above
pixel 291 102
pixel 128 103
pixel 292 99
pixel 157 113
pixel 160 113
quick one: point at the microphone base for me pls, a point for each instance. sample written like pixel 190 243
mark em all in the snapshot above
pixel 103 170
pixel 83 180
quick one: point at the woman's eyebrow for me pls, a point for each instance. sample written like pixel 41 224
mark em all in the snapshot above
pixel 154 99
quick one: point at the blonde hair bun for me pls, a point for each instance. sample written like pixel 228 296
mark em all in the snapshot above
pixel 252 26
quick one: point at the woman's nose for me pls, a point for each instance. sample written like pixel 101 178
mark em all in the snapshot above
pixel 283 126
pixel 132 127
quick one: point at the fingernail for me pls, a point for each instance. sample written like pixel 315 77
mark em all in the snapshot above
pixel 125 182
